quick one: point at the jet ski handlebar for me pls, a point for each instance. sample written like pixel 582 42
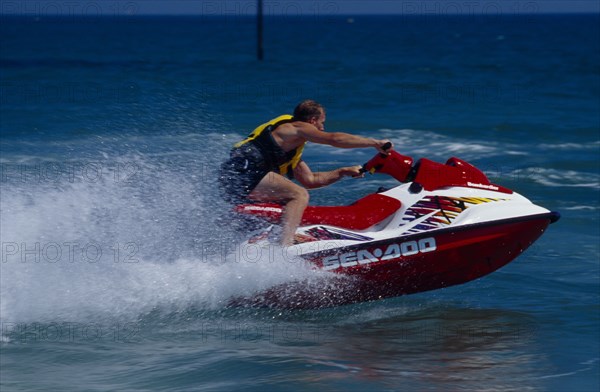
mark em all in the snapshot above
pixel 393 163
pixel 428 174
pixel 386 146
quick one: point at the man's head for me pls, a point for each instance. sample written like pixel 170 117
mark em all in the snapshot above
pixel 311 112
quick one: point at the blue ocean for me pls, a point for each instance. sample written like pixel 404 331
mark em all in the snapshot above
pixel 117 267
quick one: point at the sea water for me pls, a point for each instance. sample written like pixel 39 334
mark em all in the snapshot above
pixel 117 264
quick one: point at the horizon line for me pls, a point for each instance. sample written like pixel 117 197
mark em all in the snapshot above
pixel 339 15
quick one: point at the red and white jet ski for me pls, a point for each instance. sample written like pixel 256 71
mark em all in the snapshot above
pixel 446 224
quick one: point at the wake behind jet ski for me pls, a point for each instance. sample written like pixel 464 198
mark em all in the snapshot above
pixel 446 224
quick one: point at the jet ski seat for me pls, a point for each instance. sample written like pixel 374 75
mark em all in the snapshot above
pixel 359 215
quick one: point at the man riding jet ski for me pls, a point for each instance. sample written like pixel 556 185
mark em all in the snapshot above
pixel 257 165
pixel 445 224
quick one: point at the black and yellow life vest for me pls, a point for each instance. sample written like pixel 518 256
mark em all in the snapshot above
pixel 271 151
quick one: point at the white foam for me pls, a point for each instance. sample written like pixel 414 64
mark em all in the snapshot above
pixel 79 292
pixel 576 208
pixel 88 250
pixel 571 146
pixel 559 178
pixel 435 145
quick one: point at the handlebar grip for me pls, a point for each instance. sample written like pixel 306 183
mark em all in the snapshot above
pixel 376 166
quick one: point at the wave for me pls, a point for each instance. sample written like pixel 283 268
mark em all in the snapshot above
pixel 580 207
pixel 423 144
pixel 429 143
pixel 558 178
pixel 438 146
pixel 571 146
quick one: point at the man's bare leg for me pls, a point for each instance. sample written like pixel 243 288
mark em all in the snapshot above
pixel 275 187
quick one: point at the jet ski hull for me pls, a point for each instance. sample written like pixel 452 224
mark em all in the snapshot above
pixel 447 224
pixel 407 264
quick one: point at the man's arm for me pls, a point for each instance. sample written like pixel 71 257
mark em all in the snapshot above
pixel 339 139
pixel 311 180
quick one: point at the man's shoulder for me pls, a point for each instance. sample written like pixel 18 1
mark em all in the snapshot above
pixel 297 127
pixel 289 127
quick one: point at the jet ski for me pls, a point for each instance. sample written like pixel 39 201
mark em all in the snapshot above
pixel 443 225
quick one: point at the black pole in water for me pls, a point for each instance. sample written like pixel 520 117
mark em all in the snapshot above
pixel 259 30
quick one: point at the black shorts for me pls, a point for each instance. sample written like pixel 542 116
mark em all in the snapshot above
pixel 241 173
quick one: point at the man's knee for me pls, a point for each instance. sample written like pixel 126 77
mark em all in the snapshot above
pixel 301 195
